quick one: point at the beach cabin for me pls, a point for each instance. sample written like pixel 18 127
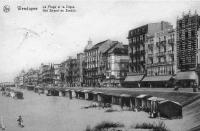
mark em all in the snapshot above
pixel 90 95
pixel 99 96
pixel 36 89
pixel 170 109
pixel 133 100
pixel 85 94
pixel 81 94
pixel 152 105
pixel 115 99
pixel 72 94
pixel 125 100
pixel 30 87
pixel 66 92
pixel 61 92
pixel 77 93
pixel 106 99
pixel 94 93
pixel 53 92
pixel 141 101
pixel 18 95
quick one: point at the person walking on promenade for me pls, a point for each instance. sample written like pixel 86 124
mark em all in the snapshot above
pixel 20 121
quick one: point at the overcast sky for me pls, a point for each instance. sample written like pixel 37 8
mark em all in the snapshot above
pixel 52 37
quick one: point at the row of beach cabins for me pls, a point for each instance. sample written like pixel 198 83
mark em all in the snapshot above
pixel 9 92
pixel 155 106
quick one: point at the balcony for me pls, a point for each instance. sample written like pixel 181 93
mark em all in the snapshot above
pixel 171 41
pixel 161 43
pixel 160 54
pixel 150 55
pixel 170 52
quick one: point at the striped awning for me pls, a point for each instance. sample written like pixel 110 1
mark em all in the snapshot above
pixel 157 78
pixel 135 78
pixel 188 75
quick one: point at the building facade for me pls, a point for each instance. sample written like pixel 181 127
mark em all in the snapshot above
pixel 47 74
pixel 80 60
pixel 160 59
pixel 57 79
pixel 137 38
pixel 187 27
pixel 71 75
pixel 116 65
pixel 94 63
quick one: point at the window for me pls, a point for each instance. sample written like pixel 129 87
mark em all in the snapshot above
pixel 193 33
pixel 186 21
pixel 180 24
pixel 186 35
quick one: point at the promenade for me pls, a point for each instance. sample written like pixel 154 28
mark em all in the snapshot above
pixel 184 95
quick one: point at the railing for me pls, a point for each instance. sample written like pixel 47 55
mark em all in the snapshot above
pixel 150 55
pixel 170 52
pixel 160 53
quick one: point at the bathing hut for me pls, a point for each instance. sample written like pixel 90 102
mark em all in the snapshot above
pixel 72 94
pixel 95 96
pixel 53 92
pixel 99 96
pixel 66 92
pixel 115 99
pixel 81 94
pixel 61 92
pixel 18 95
pixel 106 99
pixel 125 100
pixel 36 89
pixel 77 93
pixel 85 94
pixel 90 95
pixel 133 101
pixel 152 105
pixel 141 101
pixel 30 87
pixel 170 109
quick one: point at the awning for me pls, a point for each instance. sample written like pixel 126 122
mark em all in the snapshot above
pixel 133 78
pixel 188 75
pixel 157 78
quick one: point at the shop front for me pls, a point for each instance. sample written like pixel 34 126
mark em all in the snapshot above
pixel 186 79
pixel 158 81
pixel 133 81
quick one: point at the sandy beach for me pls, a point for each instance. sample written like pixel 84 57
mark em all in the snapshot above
pixel 47 113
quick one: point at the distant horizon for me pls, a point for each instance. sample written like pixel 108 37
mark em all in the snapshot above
pixel 29 38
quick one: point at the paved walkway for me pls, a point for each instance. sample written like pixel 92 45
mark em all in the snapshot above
pixel 188 90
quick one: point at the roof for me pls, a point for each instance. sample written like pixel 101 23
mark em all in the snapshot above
pixel 133 78
pixel 156 99
pixel 188 75
pixel 157 78
pixel 167 101
pixel 125 95
pixel 85 91
pixel 98 44
pixel 141 96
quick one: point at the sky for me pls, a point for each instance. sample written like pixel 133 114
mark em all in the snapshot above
pixel 29 38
